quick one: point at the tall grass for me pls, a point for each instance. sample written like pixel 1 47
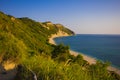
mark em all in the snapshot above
pixel 47 69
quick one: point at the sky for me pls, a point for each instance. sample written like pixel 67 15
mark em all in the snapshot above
pixel 81 16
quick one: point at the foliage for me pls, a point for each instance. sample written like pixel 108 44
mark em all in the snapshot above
pixel 44 68
pixel 11 48
pixel 61 52
pixel 79 60
pixel 99 71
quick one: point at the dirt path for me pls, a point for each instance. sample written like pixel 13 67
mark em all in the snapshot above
pixel 7 71
pixel 8 75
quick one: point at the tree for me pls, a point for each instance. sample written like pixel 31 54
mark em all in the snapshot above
pixel 61 52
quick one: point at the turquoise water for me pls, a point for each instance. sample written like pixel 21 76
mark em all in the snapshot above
pixel 103 47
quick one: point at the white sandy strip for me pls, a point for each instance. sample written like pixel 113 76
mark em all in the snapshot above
pixel 110 68
pixel 90 60
pixel 51 40
pixel 85 57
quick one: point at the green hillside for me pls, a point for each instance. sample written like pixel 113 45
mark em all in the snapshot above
pixel 25 43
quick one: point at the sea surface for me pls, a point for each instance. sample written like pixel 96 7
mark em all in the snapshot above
pixel 101 47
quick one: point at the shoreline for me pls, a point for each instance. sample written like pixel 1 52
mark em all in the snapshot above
pixel 92 60
pixel 89 59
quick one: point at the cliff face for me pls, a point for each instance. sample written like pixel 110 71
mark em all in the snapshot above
pixel 58 29
pixel 60 34
pixel 61 31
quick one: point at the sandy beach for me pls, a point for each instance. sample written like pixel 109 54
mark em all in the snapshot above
pixel 90 60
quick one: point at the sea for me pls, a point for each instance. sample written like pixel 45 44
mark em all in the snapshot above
pixel 101 47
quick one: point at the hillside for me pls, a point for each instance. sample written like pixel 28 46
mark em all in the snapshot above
pixel 25 48
pixel 26 33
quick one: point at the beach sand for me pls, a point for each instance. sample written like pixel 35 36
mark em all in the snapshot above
pixel 90 59
pixel 85 57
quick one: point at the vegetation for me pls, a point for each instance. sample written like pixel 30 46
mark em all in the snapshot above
pixel 25 42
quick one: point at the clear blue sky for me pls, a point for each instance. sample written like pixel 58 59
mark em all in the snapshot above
pixel 81 16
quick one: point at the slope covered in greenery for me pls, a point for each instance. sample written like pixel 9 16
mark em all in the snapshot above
pixel 25 42
pixel 33 35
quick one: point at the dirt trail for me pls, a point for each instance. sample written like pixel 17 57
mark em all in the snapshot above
pixel 8 75
pixel 7 71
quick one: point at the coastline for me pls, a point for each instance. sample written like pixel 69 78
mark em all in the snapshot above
pixel 90 59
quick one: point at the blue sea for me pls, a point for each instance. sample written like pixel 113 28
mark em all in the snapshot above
pixel 101 47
